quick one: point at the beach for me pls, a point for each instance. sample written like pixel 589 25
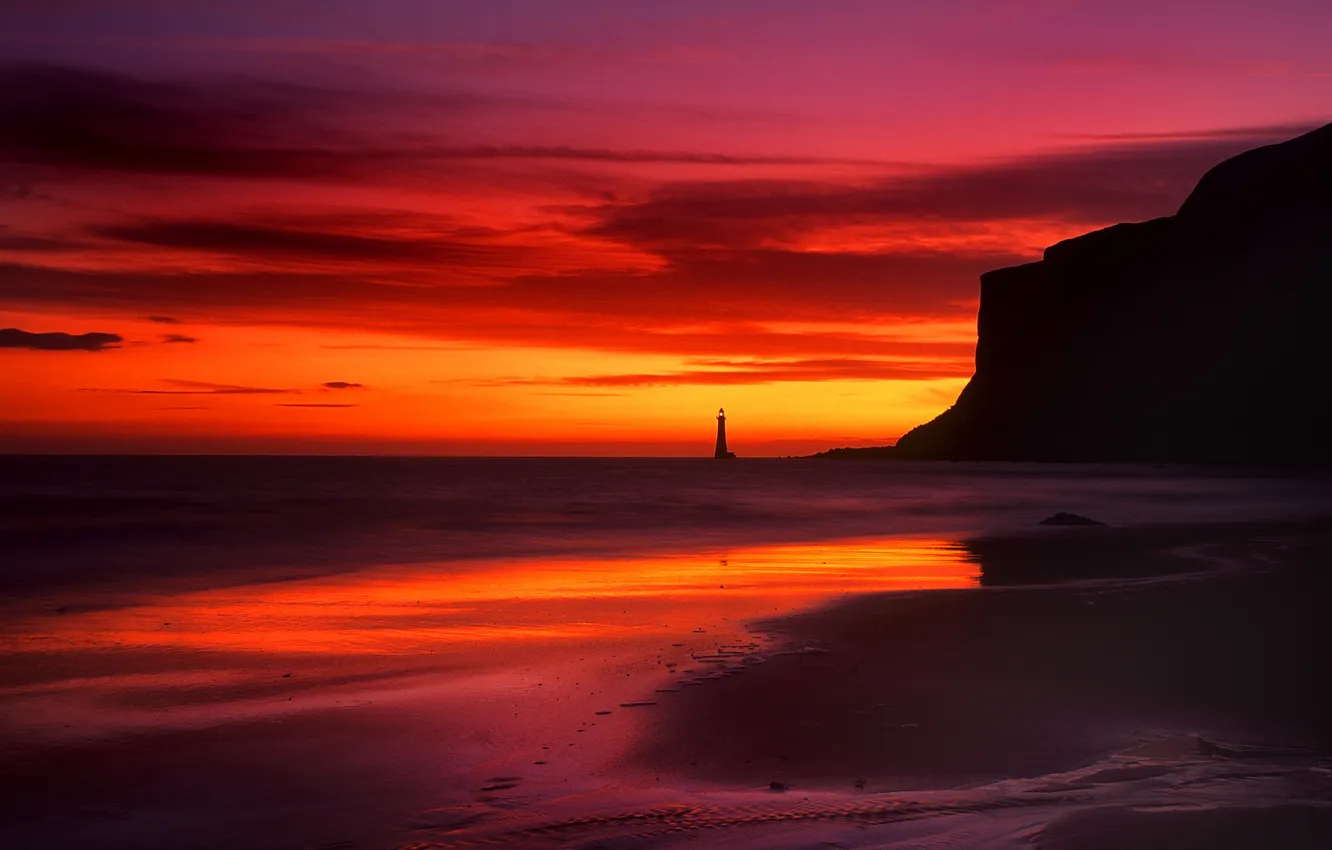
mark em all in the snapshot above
pixel 984 681
pixel 1177 710
pixel 966 686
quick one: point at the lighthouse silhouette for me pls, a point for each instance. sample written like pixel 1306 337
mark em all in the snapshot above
pixel 721 451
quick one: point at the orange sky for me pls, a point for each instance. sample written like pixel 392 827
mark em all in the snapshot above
pixel 512 228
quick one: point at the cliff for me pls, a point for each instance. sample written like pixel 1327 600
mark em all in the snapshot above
pixel 1199 337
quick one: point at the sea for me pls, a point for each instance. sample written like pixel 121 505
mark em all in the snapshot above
pixel 75 520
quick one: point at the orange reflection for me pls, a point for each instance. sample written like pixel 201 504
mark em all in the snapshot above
pixel 440 607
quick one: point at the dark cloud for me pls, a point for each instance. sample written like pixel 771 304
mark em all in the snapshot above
pixel 203 388
pixel 215 294
pixel 720 372
pixel 733 258
pixel 224 389
pixel 1274 132
pixel 629 156
pixel 317 405
pixel 21 242
pixel 15 338
pixel 1100 184
pixel 620 311
pixel 78 119
pixel 86 120
pixel 264 240
pixel 97 121
pixel 386 347
pixel 343 385
pixel 164 320
pixel 179 338
pixel 760 285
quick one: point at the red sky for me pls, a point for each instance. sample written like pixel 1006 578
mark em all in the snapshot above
pixel 578 227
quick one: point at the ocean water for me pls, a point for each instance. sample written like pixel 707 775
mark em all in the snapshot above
pixel 73 520
pixel 404 652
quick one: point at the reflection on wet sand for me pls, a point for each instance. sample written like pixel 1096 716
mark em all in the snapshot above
pixel 451 634
pixel 430 679
pixel 443 607
pixel 542 702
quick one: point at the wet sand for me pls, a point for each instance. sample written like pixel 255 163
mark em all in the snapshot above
pixel 1174 702
pixel 951 687
pixel 1173 694
pixel 1176 706
pixel 374 706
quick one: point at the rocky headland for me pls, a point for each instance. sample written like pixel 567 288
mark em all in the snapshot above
pixel 1201 337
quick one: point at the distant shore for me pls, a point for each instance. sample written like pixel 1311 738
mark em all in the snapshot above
pixel 865 453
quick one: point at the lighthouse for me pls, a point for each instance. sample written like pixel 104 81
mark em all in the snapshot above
pixel 721 451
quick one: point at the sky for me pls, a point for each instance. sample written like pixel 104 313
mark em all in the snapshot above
pixel 522 227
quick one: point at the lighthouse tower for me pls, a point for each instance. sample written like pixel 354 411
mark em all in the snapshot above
pixel 721 451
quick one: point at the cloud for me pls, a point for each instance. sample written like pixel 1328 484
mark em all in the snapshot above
pixel 682 267
pixel 209 388
pixel 343 385
pixel 1253 133
pixel 717 304
pixel 164 320
pixel 677 157
pixel 202 388
pixel 178 338
pixel 15 338
pixel 33 244
pixel 85 120
pixel 317 405
pixel 1177 61
pixel 388 347
pixel 233 127
pixel 264 240
pixel 97 121
pixel 724 372
pixel 1113 181
pixel 495 54
pixel 755 285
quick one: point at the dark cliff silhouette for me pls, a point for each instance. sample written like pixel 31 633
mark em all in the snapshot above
pixel 1199 337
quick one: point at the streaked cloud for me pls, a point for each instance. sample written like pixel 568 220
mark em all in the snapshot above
pixel 723 372
pixel 315 404
pixel 174 387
